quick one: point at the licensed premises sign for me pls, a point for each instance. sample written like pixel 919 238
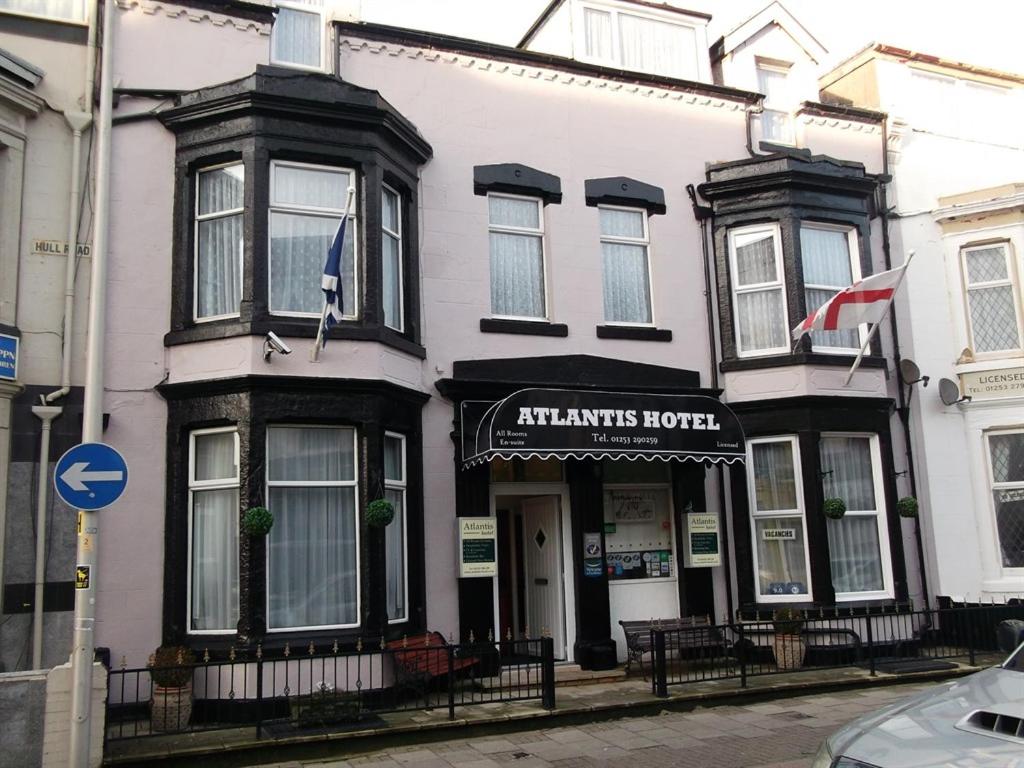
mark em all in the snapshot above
pixel 478 547
pixel 991 385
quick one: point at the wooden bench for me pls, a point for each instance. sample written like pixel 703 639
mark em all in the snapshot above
pixel 690 633
pixel 421 659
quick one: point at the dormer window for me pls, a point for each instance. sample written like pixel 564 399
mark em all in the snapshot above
pixel 656 42
pixel 776 120
pixel 297 39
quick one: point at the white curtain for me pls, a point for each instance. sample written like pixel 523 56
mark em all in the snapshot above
pixel 1008 468
pixel 826 264
pixel 215 535
pixel 627 291
pixel 312 579
pixel 517 260
pixel 391 259
pixel 394 476
pixel 782 566
pixel 774 477
pixel 762 320
pixel 597 34
pixel 219 250
pixel 296 36
pixel 298 251
pixel 854 551
pixel 657 47
pixel 54 9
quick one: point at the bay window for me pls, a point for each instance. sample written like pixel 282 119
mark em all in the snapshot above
pixel 297 36
pixel 391 258
pixel 219 242
pixel 857 542
pixel 828 268
pixel 781 561
pixel 516 231
pixel 993 306
pixel 213 530
pixel 313 548
pixel 759 296
pixel 1006 457
pixel 626 265
pixel 306 206
pixel 396 533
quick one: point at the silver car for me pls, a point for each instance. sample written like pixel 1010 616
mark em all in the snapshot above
pixel 976 721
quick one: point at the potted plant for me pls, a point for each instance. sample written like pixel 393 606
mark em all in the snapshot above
pixel 787 642
pixel 834 508
pixel 380 513
pixel 257 521
pixel 907 506
pixel 170 669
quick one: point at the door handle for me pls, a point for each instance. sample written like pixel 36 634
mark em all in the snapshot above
pixel 541 582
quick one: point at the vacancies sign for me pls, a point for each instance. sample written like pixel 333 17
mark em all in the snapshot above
pixel 561 423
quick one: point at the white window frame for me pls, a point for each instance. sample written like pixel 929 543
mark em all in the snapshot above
pixel 78 18
pixel 740 233
pixel 354 483
pixel 197 218
pixel 645 241
pixel 782 68
pixel 220 484
pixel 852 247
pixel 397 235
pixel 351 231
pixel 510 230
pixel 311 7
pixel 701 66
pixel 1012 280
pixel 402 486
pixel 800 513
pixel 993 486
pixel 881 514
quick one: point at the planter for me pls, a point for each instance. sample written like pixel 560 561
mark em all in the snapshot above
pixel 789 651
pixel 170 708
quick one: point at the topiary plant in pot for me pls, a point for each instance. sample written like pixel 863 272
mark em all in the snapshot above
pixel 787 642
pixel 834 508
pixel 257 521
pixel 170 669
pixel 380 513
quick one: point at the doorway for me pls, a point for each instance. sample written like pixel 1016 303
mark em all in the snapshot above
pixel 532 578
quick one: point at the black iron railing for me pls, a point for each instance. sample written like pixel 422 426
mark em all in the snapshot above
pixel 874 639
pixel 290 690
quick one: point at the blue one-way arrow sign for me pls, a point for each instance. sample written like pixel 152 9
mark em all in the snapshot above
pixel 90 476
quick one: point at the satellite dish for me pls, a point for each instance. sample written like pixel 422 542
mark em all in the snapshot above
pixel 949 392
pixel 910 373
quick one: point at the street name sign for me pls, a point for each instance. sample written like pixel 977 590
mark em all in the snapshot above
pixel 90 476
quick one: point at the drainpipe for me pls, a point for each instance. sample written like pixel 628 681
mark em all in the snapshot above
pixel 46 414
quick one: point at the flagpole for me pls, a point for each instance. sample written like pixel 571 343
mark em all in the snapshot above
pixel 314 352
pixel 874 328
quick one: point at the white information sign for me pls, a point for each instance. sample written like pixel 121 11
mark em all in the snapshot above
pixel 478 547
pixel 990 385
pixel 778 534
pixel 703 547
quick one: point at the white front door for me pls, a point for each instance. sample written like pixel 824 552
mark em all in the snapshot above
pixel 542 563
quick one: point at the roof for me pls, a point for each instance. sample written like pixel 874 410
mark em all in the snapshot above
pixel 905 56
pixel 775 13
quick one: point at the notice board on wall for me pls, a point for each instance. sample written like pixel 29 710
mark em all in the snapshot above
pixel 478 547
pixel 702 540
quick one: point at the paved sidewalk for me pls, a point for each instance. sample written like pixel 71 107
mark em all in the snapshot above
pixel 777 734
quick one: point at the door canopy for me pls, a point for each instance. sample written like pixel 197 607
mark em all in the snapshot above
pixel 563 423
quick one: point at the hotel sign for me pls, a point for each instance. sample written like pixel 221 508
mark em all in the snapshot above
pixel 702 545
pixel 992 385
pixel 478 547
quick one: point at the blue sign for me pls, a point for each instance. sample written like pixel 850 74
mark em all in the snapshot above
pixel 8 357
pixel 90 476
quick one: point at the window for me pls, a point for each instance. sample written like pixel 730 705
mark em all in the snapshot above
pixel 1006 454
pixel 759 297
pixel 516 228
pixel 313 548
pixel 219 240
pixel 857 542
pixel 306 206
pixel 776 123
pixel 65 10
pixel 396 532
pixel 297 36
pixel 781 561
pixel 639 539
pixel 828 268
pixel 626 267
pixel 642 43
pixel 994 318
pixel 213 530
pixel 391 257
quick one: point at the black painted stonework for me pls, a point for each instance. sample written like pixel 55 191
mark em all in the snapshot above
pixel 523 327
pixel 274 114
pixel 633 333
pixel 517 179
pixel 800 358
pixel 251 404
pixel 619 190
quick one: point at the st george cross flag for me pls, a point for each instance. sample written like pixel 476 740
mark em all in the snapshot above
pixel 865 301
pixel 331 283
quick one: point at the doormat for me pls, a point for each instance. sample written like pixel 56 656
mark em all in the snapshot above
pixel 909 666
pixel 292 728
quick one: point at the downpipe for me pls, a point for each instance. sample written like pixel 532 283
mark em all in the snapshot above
pixel 46 414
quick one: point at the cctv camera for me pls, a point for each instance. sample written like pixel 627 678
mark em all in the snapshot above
pixel 273 343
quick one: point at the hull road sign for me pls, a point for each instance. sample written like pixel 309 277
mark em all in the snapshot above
pixel 90 476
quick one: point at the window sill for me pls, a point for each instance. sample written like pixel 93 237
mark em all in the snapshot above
pixel 635 333
pixel 524 327
pixel 800 358
pixel 301 328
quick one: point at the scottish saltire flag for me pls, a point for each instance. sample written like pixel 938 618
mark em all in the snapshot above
pixel 331 282
pixel 863 302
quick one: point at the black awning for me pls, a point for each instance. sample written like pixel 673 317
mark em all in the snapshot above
pixel 563 423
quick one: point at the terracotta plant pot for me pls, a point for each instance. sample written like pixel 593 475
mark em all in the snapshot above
pixel 789 651
pixel 171 708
